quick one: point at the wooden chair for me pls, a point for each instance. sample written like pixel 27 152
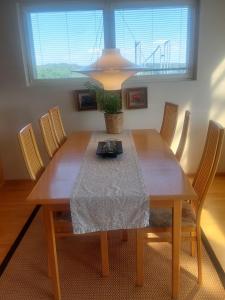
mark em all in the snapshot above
pixel 161 219
pixel 62 219
pixel 169 122
pixel 57 125
pixel 183 138
pixel 30 151
pixel 48 135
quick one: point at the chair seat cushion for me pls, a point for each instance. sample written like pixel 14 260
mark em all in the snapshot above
pixel 162 217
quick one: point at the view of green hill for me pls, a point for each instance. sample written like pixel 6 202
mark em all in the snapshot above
pixel 52 71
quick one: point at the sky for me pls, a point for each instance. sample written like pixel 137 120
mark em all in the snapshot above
pixel 77 37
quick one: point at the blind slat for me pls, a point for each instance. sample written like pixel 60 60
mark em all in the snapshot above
pixel 155 38
pixel 64 41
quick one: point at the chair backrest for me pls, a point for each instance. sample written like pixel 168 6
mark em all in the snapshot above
pixel 30 152
pixel 208 164
pixel 169 122
pixel 48 135
pixel 57 125
pixel 183 138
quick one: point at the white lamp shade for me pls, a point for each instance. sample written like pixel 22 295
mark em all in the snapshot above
pixel 111 69
pixel 111 80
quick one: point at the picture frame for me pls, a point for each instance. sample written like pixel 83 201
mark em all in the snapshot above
pixel 85 100
pixel 136 98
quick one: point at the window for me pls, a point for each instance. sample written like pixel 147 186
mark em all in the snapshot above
pixel 158 35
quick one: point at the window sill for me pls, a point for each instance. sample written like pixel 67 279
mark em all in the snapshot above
pixel 77 83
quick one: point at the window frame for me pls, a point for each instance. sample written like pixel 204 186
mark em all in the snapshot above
pixel 108 7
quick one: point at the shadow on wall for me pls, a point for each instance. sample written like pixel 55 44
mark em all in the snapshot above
pixel 217 110
pixel 176 140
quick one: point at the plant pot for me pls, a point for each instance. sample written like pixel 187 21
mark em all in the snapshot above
pixel 114 122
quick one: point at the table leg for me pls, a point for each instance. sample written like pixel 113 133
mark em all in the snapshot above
pixel 45 222
pixel 176 248
pixel 52 252
pixel 104 253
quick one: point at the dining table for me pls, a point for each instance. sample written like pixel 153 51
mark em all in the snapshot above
pixel 165 182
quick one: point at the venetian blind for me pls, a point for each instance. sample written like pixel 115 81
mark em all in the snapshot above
pixel 156 37
pixel 63 41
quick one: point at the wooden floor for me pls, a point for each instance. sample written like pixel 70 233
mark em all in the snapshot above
pixel 14 213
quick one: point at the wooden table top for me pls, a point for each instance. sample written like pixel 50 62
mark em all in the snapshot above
pixel 163 175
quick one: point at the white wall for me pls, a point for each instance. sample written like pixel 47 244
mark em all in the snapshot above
pixel 205 97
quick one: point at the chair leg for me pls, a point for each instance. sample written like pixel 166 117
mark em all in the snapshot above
pixel 140 257
pixel 124 235
pixel 199 255
pixel 104 253
pixel 193 244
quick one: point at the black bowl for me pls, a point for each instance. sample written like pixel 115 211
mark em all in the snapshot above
pixel 110 148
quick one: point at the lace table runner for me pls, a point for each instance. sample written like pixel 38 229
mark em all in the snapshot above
pixel 109 193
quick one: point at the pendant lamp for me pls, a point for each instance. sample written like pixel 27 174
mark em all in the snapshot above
pixel 111 69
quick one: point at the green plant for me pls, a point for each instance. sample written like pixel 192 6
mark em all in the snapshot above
pixel 108 101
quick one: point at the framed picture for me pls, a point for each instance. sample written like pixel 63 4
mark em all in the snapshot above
pixel 136 98
pixel 85 100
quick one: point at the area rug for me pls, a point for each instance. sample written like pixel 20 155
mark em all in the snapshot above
pixel 79 261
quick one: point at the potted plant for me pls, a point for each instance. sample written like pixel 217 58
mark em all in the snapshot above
pixel 110 103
